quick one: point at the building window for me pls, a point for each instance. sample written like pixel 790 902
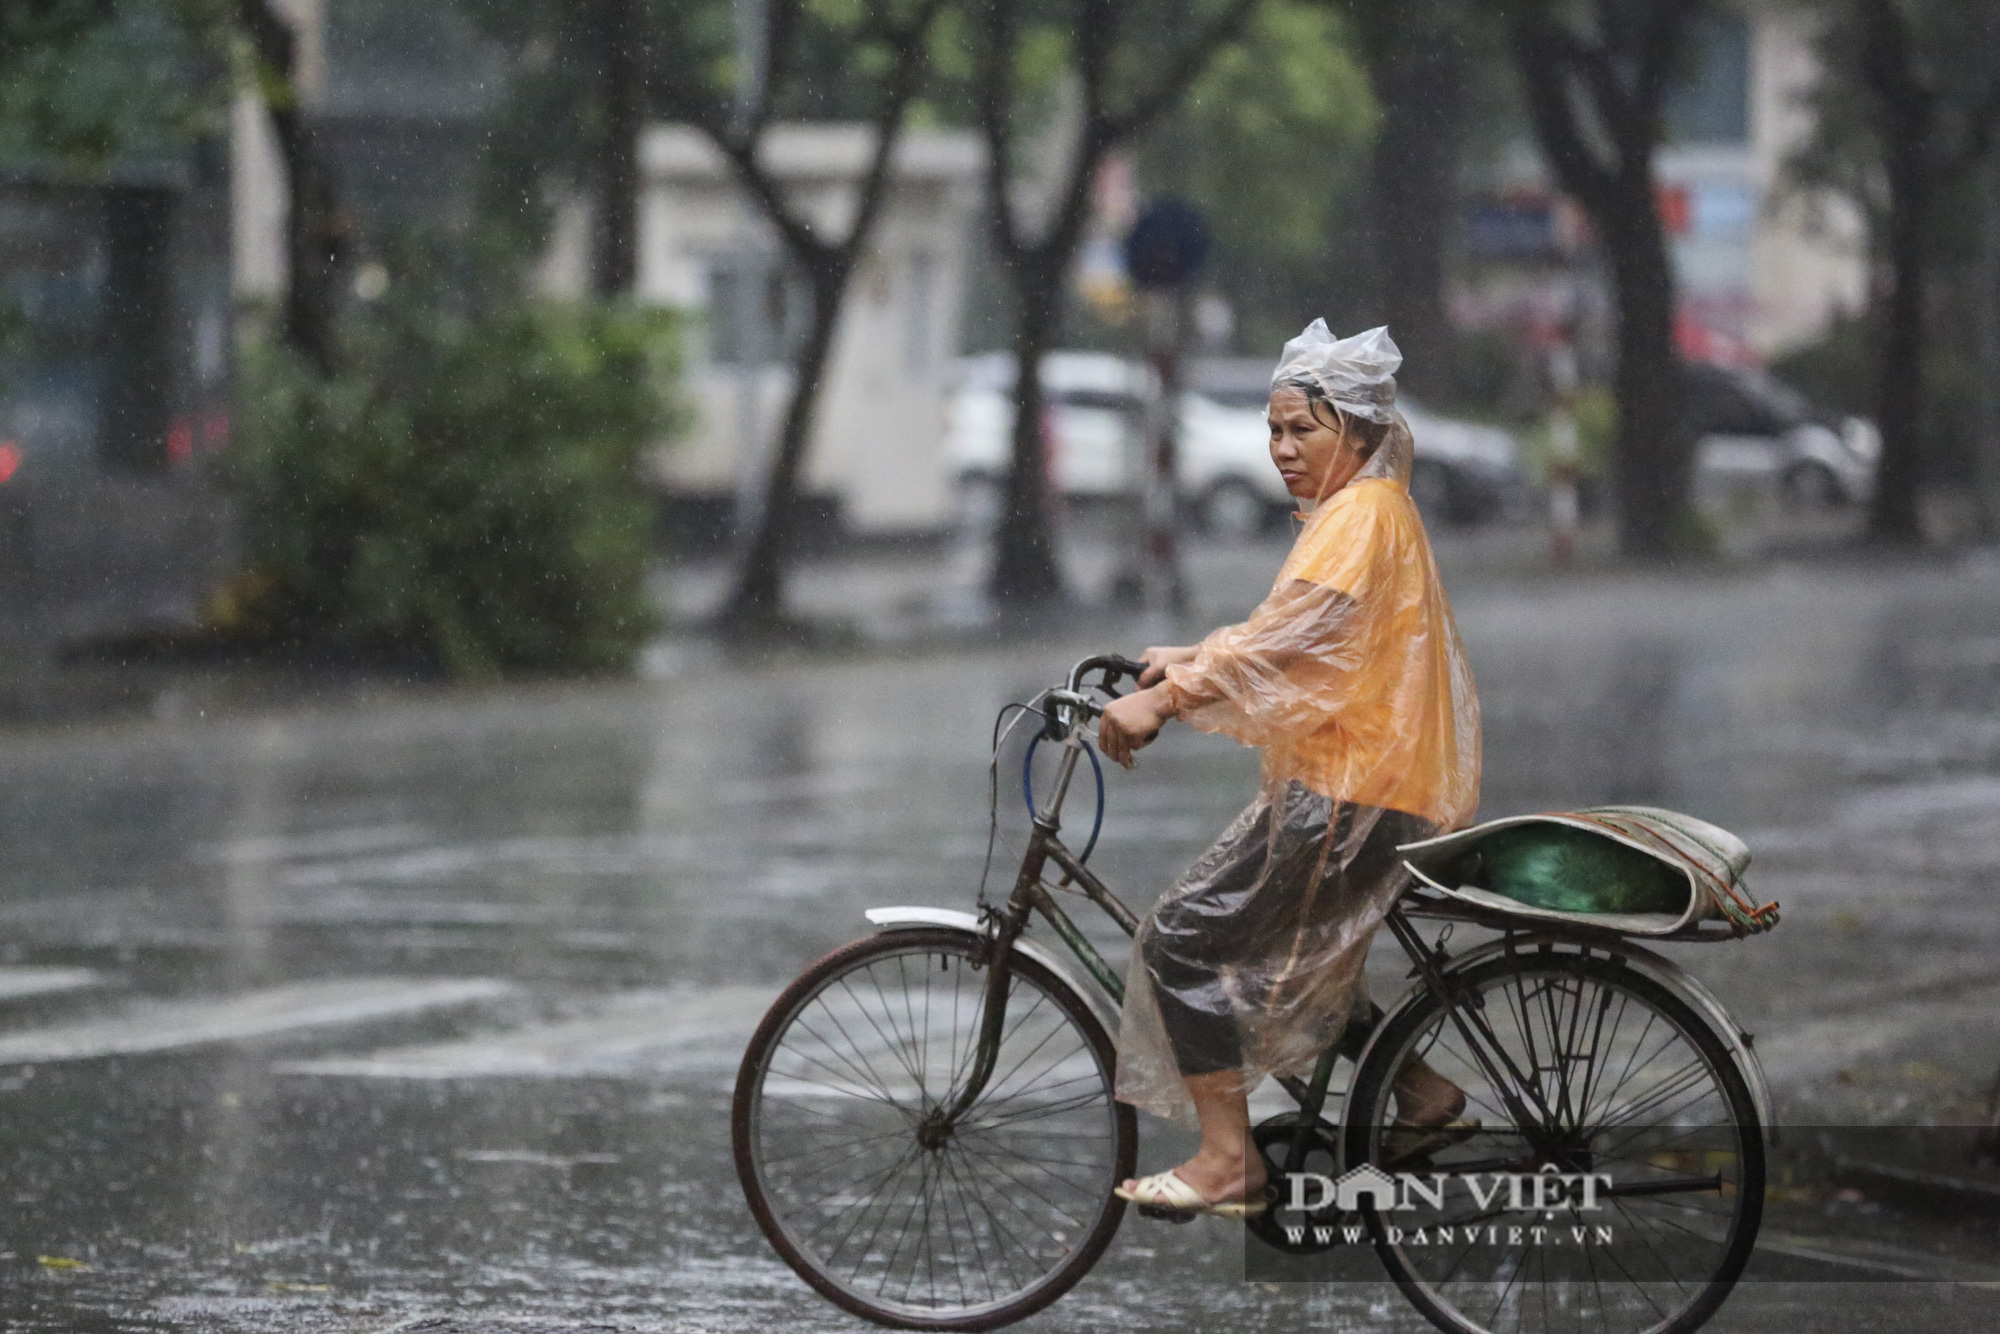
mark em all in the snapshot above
pixel 758 310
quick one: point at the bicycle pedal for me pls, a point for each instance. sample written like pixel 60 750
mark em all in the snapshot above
pixel 1164 1215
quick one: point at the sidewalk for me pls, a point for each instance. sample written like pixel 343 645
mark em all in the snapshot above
pixel 933 592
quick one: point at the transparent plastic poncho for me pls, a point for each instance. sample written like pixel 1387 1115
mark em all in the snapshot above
pixel 1351 680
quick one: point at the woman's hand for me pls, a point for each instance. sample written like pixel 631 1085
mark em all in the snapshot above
pixel 1157 661
pixel 1130 724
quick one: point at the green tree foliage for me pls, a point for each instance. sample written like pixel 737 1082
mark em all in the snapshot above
pixel 1272 142
pixel 86 81
pixel 464 494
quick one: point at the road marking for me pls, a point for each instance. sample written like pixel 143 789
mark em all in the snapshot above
pixel 533 1157
pixel 169 1025
pixel 327 843
pixel 1876 1257
pixel 650 1032
pixel 19 982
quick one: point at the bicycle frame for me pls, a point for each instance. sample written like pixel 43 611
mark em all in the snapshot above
pixel 1431 966
pixel 1030 896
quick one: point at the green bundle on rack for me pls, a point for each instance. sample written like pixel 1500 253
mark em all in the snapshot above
pixel 1554 866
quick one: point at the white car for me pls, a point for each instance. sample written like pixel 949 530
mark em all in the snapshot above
pixel 1752 432
pixel 1097 402
pixel 1096 406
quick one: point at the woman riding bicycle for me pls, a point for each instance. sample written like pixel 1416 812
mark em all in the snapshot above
pixel 1351 680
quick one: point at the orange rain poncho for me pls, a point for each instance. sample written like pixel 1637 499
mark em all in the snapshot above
pixel 1351 680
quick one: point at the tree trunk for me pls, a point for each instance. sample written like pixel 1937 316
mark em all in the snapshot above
pixel 137 320
pixel 1986 319
pixel 615 257
pixel 315 229
pixel 1651 472
pixel 757 598
pixel 1560 72
pixel 1894 516
pixel 1419 78
pixel 316 246
pixel 1025 572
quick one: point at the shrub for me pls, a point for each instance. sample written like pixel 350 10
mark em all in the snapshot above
pixel 463 496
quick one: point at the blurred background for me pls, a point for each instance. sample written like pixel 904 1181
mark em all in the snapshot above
pixel 515 517
pixel 313 310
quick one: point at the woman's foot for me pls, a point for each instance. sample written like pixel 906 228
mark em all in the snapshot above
pixel 1216 1178
pixel 1428 1107
pixel 1425 1098
pixel 1165 1195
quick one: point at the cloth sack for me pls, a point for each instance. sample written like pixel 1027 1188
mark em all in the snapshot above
pixel 1635 869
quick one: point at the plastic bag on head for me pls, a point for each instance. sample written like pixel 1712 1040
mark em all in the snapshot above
pixel 1357 374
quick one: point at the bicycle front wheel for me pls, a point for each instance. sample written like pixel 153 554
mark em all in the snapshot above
pixel 1617 1179
pixel 871 1195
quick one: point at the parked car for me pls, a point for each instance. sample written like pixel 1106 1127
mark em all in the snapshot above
pixel 1096 402
pixel 1463 472
pixel 1752 431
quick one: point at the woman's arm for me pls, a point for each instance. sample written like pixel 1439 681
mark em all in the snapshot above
pixel 1157 661
pixel 1275 674
pixel 1289 628
pixel 1130 724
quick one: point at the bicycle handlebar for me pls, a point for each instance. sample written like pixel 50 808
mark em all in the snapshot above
pixel 1069 708
pixel 1114 668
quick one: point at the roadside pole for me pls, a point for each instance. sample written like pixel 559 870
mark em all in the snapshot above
pixel 1162 588
pixel 1163 252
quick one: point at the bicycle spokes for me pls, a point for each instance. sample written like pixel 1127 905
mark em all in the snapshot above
pixel 889 1189
pixel 1615 1168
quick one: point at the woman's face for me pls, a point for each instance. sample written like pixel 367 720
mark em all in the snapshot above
pixel 1315 459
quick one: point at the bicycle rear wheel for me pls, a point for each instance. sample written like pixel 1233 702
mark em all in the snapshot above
pixel 1601 1083
pixel 870 1195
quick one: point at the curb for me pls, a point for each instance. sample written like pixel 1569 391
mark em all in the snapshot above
pixel 1935 1191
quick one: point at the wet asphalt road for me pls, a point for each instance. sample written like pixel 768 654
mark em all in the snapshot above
pixel 423 1005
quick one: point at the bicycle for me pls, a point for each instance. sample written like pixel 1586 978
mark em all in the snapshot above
pixel 924 1122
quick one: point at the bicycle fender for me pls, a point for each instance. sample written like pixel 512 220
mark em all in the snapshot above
pixel 1685 986
pixel 891 919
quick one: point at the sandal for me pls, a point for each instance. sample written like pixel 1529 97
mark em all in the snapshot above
pixel 1403 1141
pixel 1165 1193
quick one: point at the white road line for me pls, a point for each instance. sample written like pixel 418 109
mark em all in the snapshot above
pixel 167 1025
pixel 638 1033
pixel 19 982
pixel 1878 1258
pixel 533 1157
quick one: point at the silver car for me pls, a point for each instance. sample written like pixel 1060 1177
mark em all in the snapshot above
pixel 1754 434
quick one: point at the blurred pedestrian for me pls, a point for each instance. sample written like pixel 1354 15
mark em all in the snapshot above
pixel 1565 456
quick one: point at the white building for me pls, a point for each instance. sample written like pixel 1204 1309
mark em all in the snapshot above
pixel 876 447
pixel 1757 261
pixel 1761 268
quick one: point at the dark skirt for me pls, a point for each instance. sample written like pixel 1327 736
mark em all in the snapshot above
pixel 1253 962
